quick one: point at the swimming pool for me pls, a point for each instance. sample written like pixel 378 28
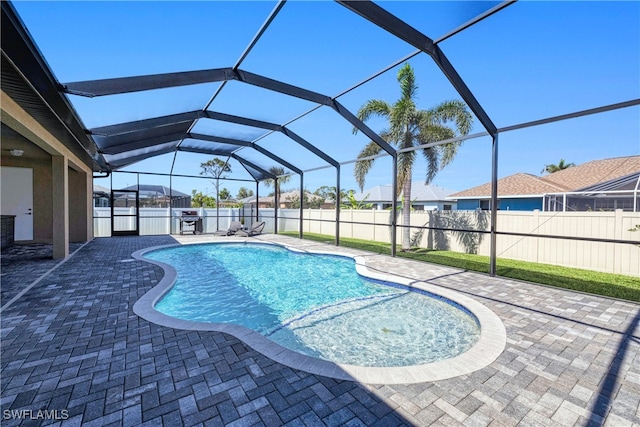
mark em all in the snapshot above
pixel 317 313
pixel 317 305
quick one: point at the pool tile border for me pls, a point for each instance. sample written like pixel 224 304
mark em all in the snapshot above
pixel 490 345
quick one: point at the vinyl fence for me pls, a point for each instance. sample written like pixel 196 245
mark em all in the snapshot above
pixel 158 220
pixel 622 258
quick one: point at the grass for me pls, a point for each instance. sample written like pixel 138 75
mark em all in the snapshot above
pixel 593 282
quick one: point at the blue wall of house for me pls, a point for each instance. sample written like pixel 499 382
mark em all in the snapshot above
pixel 527 204
pixel 468 204
pixel 521 204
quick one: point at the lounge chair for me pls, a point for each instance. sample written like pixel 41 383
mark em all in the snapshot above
pixel 233 229
pixel 255 229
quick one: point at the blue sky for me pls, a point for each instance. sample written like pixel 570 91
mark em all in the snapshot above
pixel 530 61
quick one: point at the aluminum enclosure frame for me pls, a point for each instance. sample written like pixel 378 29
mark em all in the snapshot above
pixel 19 50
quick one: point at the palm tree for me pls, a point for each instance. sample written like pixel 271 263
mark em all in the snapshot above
pixel 555 168
pixel 277 171
pixel 410 127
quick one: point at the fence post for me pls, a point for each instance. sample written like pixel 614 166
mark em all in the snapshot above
pixel 536 221
pixel 618 231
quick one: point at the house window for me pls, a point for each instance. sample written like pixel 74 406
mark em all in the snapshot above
pixel 446 207
pixel 485 205
pixel 418 207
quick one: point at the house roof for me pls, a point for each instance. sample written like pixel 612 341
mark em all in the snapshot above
pixel 419 193
pixel 575 178
pixel 594 172
pixel 162 190
pixel 517 184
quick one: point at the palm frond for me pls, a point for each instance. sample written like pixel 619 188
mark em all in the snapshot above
pixel 403 116
pixel 433 164
pixel 433 133
pixel 373 107
pixel 455 111
pixel 448 152
pixel 407 80
pixel 409 126
pixel 362 167
pixel 277 171
pixel 445 152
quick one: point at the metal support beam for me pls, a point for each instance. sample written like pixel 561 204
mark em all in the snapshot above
pixel 141 83
pixel 276 158
pixel 220 139
pixel 393 25
pixel 297 138
pixel 394 204
pixel 338 200
pixel 145 134
pixel 301 225
pixel 240 120
pixel 20 51
pixel 218 201
pixel 252 165
pixel 93 88
pixel 494 205
pixel 282 87
pixel 257 200
pixel 243 143
pixel 144 143
pixel 248 49
pixel 117 161
pixel 145 124
pixel 359 124
pixel 276 202
pixel 127 130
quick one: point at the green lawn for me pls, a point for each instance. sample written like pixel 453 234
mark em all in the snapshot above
pixel 612 285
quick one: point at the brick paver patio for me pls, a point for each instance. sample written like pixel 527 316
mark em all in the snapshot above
pixel 72 344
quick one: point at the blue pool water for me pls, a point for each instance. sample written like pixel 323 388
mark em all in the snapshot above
pixel 314 304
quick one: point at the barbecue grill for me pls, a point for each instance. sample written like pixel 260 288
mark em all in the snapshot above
pixel 190 221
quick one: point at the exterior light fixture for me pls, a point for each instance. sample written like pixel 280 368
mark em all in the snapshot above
pixel 16 153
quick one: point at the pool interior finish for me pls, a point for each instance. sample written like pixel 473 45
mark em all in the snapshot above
pixel 314 304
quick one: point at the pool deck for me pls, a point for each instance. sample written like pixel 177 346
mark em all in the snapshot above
pixel 72 343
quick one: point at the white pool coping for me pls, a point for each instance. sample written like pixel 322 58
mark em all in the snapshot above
pixel 490 345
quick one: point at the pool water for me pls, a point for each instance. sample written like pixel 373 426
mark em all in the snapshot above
pixel 314 304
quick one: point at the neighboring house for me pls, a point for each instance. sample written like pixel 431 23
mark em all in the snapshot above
pixel 286 200
pixel 158 196
pixel 101 196
pixel 423 197
pixel 606 184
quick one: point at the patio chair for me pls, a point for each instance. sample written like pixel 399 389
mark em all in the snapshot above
pixel 255 229
pixel 233 229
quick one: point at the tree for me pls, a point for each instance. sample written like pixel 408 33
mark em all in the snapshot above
pixel 199 200
pixel 216 169
pixel 309 201
pixel 350 202
pixel 411 127
pixel 329 193
pixel 555 168
pixel 244 192
pixel 277 184
pixel 225 194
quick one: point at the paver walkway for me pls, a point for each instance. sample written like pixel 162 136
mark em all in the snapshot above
pixel 72 346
